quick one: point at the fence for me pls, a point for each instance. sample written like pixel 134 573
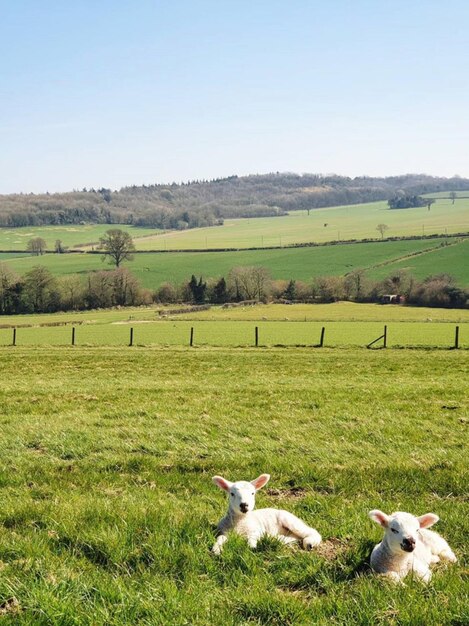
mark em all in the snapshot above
pixel 372 335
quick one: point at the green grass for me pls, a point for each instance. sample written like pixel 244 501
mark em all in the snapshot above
pixel 334 312
pixel 238 333
pixel 357 221
pixel 346 324
pixel 343 222
pixel 298 263
pixel 108 510
pixel 452 260
pixel 71 235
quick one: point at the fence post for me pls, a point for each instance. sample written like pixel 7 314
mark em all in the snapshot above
pixel 192 336
pixel 131 343
pixel 321 341
pixel 13 343
pixel 256 334
pixel 73 335
pixel 456 338
pixel 385 337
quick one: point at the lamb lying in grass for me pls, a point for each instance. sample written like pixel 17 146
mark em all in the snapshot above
pixel 408 546
pixel 243 520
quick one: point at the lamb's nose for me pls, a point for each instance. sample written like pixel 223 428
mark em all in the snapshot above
pixel 409 543
pixel 244 507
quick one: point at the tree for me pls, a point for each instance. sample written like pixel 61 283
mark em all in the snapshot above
pixel 430 201
pixel 382 228
pixel 117 246
pixel 37 246
pixel 59 249
pixel 197 289
pixel 11 288
pixel 290 291
pixel 40 290
pixel 249 283
pixel 220 293
pixel 453 195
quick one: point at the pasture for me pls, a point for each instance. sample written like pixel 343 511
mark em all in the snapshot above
pixel 108 510
pixel 71 235
pixel 346 325
pixel 341 223
pixel 357 221
pixel 422 257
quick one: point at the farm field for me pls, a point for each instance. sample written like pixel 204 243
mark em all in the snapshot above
pixel 329 224
pixel 357 221
pixel 346 325
pixel 108 509
pixel 71 235
pixel 298 263
pixel 336 311
pixel 242 334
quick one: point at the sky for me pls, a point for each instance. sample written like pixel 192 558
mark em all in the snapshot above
pixel 108 93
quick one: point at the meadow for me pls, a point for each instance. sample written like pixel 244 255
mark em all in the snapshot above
pixel 422 257
pixel 346 325
pixel 108 509
pixel 71 235
pixel 357 221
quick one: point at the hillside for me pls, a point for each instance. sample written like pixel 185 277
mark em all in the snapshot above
pixel 205 203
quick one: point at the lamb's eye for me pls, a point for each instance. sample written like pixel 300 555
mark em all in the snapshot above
pixel 394 530
pixel 232 495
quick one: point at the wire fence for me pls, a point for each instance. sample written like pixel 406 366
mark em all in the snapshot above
pixel 372 335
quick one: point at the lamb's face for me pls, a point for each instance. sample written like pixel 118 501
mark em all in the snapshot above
pixel 242 497
pixel 402 532
pixel 242 493
pixel 402 529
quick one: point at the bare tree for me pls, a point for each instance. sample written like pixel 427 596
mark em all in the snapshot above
pixel 382 228
pixel 249 283
pixel 117 246
pixel 453 195
pixel 430 201
pixel 37 246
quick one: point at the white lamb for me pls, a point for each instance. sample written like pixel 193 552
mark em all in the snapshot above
pixel 408 546
pixel 243 520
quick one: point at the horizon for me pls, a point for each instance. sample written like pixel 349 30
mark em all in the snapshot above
pixel 114 95
pixel 227 177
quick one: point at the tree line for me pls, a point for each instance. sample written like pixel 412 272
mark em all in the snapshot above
pixel 208 202
pixel 39 291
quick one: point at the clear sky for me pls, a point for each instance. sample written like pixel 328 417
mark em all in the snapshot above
pixel 116 92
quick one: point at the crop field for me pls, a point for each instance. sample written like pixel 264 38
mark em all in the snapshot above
pixel 71 235
pixel 357 221
pixel 329 224
pixel 108 509
pixel 423 257
pixel 346 325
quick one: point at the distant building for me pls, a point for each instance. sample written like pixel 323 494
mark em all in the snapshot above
pixel 392 298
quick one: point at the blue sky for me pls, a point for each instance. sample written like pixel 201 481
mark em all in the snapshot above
pixel 110 93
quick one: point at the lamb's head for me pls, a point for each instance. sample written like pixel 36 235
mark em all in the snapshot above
pixel 402 529
pixel 242 493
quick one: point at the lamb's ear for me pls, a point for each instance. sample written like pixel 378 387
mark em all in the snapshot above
pixel 427 520
pixel 260 481
pixel 222 483
pixel 381 518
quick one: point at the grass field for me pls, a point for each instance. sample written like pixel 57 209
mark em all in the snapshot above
pixel 108 510
pixel 346 324
pixel 343 222
pixel 334 223
pixel 299 263
pixel 71 235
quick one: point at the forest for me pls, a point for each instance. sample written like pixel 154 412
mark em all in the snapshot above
pixel 202 203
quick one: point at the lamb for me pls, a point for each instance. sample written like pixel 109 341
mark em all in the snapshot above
pixel 242 519
pixel 408 546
